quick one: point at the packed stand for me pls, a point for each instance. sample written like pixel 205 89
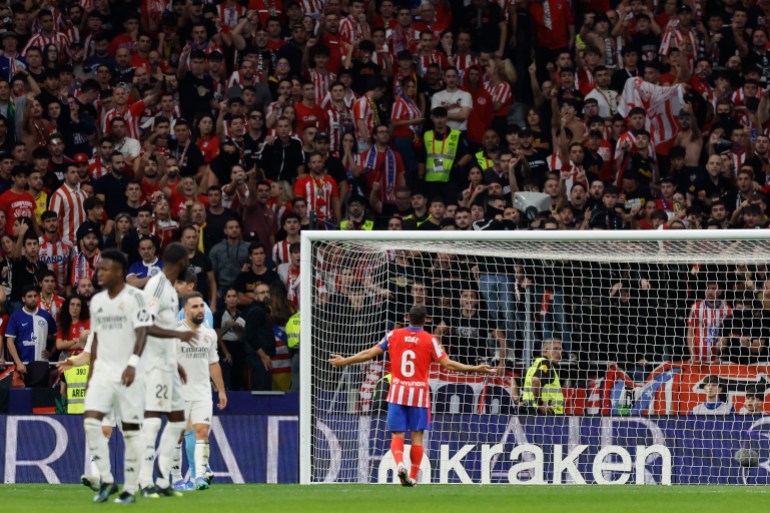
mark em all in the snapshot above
pixel 232 125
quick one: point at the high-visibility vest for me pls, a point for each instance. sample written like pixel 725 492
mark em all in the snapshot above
pixel 366 225
pixel 484 162
pixel 550 394
pixel 448 153
pixel 76 379
pixel 292 331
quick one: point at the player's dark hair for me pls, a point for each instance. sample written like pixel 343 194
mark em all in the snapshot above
pixel 116 256
pixel 417 315
pixel 174 253
pixel 189 296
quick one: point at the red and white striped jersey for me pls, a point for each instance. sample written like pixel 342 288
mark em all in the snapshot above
pixel 739 96
pixel 630 137
pixel 68 205
pixel 411 350
pixel 435 57
pixel 72 32
pixel 362 109
pixel 500 92
pixel 132 114
pixel 97 167
pixel 350 30
pixel 58 39
pixel 706 318
pixel 554 162
pixel 383 58
pixel 339 122
pixel 399 40
pixel 322 81
pixel 404 109
pixel 312 8
pixel 281 252
pixel 349 99
pixel 686 40
pixel 319 193
pixel 57 255
pixel 463 62
pixel 52 305
pixel 737 158
pixel 228 15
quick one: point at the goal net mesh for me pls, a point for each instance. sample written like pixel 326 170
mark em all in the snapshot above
pixel 663 364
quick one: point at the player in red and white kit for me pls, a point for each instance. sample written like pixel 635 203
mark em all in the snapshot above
pixel 412 350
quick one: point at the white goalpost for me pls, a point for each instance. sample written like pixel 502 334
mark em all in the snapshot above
pixel 655 346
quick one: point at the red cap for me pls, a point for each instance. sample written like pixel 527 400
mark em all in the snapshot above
pixel 80 158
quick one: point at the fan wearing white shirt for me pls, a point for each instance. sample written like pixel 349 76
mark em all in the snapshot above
pixel 713 404
pixel 457 102
pixel 604 96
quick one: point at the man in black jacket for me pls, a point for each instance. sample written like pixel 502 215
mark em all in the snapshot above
pixel 259 340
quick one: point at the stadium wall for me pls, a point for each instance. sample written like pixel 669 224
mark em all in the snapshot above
pixel 507 449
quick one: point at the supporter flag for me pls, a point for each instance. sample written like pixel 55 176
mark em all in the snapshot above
pixel 662 104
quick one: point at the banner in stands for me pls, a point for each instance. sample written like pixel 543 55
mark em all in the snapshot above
pixel 484 449
pixel 244 449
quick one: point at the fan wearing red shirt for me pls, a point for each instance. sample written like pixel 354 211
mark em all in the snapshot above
pixel 412 350
pixel 308 112
pixel 16 202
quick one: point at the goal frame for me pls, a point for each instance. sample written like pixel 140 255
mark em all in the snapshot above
pixel 308 237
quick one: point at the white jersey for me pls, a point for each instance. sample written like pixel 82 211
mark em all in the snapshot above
pixel 114 322
pixel 163 305
pixel 719 408
pixel 196 357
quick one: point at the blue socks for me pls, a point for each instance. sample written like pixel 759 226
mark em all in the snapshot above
pixel 189 449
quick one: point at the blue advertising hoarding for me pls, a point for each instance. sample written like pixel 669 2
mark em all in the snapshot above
pixel 460 449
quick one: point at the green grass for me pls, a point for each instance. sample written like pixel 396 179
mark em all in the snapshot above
pixel 395 499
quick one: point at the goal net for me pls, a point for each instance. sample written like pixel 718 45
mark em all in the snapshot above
pixel 651 350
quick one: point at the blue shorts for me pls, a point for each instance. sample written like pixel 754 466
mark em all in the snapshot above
pixel 407 418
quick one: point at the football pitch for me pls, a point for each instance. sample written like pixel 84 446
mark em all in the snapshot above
pixel 428 498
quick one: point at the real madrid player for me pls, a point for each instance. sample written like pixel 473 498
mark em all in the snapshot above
pixel 201 364
pixel 163 378
pixel 120 322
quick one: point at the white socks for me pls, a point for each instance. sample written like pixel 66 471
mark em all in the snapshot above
pixel 133 443
pixel 100 450
pixel 150 430
pixel 169 442
pixel 201 457
pixel 176 464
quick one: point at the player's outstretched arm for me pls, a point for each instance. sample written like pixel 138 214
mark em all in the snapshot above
pixel 184 336
pixel 450 364
pixel 364 356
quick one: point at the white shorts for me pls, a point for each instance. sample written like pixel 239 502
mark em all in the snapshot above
pixel 113 399
pixel 163 391
pixel 199 412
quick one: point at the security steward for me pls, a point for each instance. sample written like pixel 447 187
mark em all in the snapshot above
pixel 542 394
pixel 292 341
pixel 446 153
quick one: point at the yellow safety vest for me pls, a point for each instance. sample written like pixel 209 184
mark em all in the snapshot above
pixel 292 331
pixel 550 394
pixel 448 147
pixel 484 162
pixel 76 379
pixel 367 225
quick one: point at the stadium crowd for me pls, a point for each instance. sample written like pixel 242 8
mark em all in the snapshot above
pixel 232 125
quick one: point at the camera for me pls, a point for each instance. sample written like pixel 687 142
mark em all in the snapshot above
pixel 531 203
